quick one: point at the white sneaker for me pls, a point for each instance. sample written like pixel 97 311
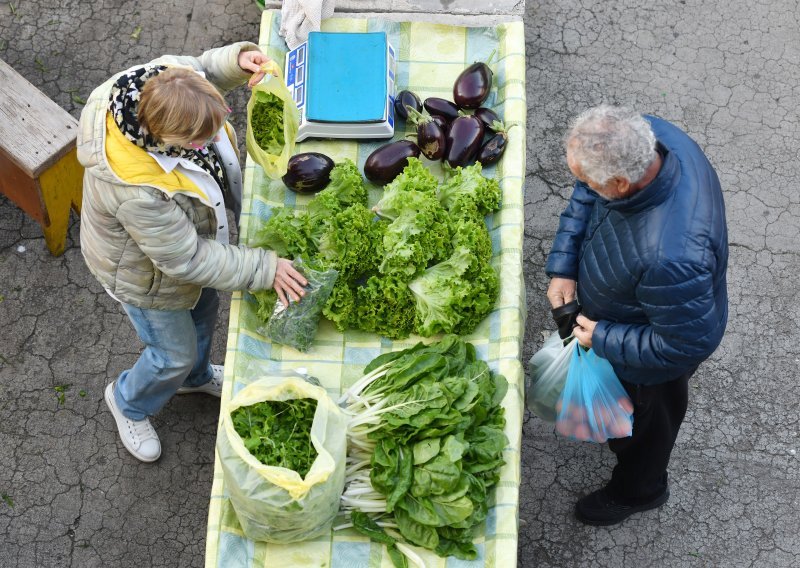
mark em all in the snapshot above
pixel 138 436
pixel 212 387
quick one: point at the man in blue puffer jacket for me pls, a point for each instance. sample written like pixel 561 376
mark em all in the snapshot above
pixel 644 244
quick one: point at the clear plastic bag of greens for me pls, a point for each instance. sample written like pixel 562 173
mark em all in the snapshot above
pixel 272 123
pixel 274 503
pixel 296 324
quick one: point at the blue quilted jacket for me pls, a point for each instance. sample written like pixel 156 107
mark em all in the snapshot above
pixel 651 268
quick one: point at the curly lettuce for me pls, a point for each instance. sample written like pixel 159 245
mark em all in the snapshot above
pixel 287 232
pixel 469 182
pixel 416 238
pixel 346 188
pixel 448 301
pixel 351 243
pixel 384 305
pixel 415 184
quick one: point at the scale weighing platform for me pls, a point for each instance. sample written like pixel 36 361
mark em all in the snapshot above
pixel 343 85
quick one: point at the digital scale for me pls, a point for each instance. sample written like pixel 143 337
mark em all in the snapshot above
pixel 343 85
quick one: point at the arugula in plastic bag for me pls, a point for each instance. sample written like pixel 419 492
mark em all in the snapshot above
pixel 278 433
pixel 272 123
pixel 267 123
pixel 296 324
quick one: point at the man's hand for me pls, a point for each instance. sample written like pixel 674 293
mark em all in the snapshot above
pixel 583 332
pixel 288 282
pixel 561 291
pixel 258 64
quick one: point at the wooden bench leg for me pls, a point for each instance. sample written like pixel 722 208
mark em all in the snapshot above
pixel 61 187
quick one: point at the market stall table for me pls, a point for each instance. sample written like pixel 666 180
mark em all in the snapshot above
pixel 430 57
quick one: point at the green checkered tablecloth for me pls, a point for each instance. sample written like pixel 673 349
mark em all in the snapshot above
pixel 430 57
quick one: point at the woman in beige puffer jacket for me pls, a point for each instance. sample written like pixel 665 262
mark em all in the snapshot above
pixel 160 165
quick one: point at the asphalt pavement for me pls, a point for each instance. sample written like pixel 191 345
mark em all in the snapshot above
pixel 728 73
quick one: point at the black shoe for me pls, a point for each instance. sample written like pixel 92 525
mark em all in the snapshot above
pixel 600 509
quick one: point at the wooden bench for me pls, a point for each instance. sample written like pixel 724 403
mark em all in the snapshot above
pixel 39 169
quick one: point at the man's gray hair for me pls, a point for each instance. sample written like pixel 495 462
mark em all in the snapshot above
pixel 608 142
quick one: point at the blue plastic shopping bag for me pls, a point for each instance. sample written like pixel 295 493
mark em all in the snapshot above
pixel 593 406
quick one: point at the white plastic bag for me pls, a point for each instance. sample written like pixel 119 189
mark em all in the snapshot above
pixel 547 373
pixel 275 504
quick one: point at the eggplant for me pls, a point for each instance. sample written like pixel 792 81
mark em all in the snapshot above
pixel 431 140
pixel 491 152
pixel 403 99
pixel 488 117
pixel 308 172
pixel 441 107
pixel 430 136
pixel 386 163
pixel 442 122
pixel 463 140
pixel 473 85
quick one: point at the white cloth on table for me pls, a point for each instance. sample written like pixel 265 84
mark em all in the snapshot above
pixel 299 17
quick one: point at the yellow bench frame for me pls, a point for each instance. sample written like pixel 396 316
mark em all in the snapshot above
pixel 39 169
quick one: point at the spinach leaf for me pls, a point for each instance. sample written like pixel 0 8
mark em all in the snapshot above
pixel 416 532
pixel 366 526
pixel 370 528
pixel 460 548
pixel 426 450
pixel 402 482
pixel 398 559
pixel 436 476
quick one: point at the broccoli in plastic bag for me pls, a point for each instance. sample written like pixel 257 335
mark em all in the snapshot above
pixel 296 324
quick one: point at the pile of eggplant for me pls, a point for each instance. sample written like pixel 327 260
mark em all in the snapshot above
pixel 444 130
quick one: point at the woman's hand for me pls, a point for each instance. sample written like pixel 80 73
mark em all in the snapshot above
pixel 561 291
pixel 584 330
pixel 288 282
pixel 258 64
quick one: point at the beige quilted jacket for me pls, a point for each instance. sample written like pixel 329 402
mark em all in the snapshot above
pixel 146 235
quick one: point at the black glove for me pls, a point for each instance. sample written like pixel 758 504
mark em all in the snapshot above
pixel 565 317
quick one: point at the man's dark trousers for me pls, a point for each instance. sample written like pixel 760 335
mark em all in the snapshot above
pixel 658 411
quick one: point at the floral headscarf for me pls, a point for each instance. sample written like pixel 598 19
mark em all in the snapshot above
pixel 124 107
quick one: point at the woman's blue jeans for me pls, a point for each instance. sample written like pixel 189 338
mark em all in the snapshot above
pixel 177 353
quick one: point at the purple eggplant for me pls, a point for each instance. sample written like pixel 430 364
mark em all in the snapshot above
pixel 463 140
pixel 386 163
pixel 308 172
pixel 488 117
pixel 403 99
pixel 430 136
pixel 442 122
pixel 473 85
pixel 441 107
pixel 491 152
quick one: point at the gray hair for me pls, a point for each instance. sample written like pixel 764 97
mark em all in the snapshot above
pixel 609 142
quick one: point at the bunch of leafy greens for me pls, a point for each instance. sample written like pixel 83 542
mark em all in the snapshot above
pixel 267 123
pixel 420 226
pixel 426 445
pixel 278 433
